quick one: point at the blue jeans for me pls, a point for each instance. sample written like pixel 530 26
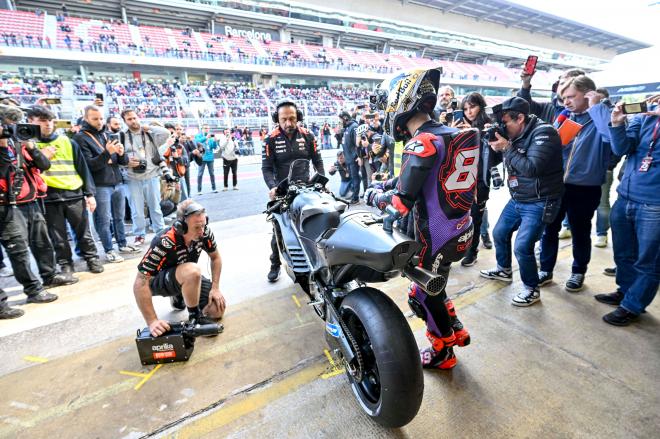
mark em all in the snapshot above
pixel 110 208
pixel 636 239
pixel 344 187
pixel 526 218
pixel 603 212
pixel 140 191
pixel 200 174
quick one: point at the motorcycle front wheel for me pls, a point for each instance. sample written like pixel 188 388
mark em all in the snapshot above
pixel 391 385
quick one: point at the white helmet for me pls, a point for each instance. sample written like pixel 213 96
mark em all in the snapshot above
pixel 406 93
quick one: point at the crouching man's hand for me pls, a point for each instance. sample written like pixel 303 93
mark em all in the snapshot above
pixel 159 327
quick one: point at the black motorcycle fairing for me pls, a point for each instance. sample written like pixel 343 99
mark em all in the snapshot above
pixel 359 241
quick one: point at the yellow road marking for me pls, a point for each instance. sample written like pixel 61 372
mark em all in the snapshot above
pixel 295 299
pixel 334 373
pixel 33 359
pixel 146 378
pixel 133 374
pixel 250 403
pixel 299 319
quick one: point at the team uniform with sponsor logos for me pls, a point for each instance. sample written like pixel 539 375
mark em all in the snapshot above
pixel 279 151
pixel 167 251
pixel 437 182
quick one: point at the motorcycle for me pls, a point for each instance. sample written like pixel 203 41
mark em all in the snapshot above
pixel 333 252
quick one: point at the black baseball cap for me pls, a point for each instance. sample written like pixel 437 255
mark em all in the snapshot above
pixel 516 104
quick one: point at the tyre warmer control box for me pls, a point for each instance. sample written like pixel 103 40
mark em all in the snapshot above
pixel 168 348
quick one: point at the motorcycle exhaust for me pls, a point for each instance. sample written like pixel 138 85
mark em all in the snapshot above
pixel 430 282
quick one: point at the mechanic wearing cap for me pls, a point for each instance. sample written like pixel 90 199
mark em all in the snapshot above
pixel 533 162
pixel 169 268
pixel 286 143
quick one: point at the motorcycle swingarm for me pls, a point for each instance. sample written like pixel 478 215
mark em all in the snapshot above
pixel 335 334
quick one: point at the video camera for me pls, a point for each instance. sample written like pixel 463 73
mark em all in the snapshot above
pixel 175 345
pixel 21 132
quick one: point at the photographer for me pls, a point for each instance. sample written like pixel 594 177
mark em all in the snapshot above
pixel 635 216
pixel 532 157
pixel 103 154
pixel 546 111
pixel 286 143
pixel 586 158
pixel 344 174
pixel 447 104
pixel 22 224
pixel 207 139
pixel 169 268
pixel 176 158
pixel 70 193
pixel 144 146
pixel 350 148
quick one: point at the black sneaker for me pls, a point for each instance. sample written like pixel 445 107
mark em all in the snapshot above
pixel 613 299
pixel 485 240
pixel 66 269
pixel 94 266
pixel 274 273
pixel 177 302
pixel 527 297
pixel 610 272
pixel 497 274
pixel 575 283
pixel 7 312
pixel 544 278
pixel 42 297
pixel 470 259
pixel 620 317
pixel 60 279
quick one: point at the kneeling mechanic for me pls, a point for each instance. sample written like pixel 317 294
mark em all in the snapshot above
pixel 169 268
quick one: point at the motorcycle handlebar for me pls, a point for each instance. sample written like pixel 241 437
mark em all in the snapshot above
pixel 273 208
pixel 390 218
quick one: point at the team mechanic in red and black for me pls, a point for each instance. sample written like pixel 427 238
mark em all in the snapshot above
pixel 286 143
pixel 169 268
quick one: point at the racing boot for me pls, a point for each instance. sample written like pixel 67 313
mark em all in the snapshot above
pixel 441 353
pixel 462 335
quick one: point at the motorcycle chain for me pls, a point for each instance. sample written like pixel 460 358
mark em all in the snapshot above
pixel 356 348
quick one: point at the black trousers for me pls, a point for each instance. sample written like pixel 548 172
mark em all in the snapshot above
pixel 275 252
pixel 75 212
pixel 38 240
pixel 580 204
pixel 186 178
pixel 477 212
pixel 228 165
pixel 13 235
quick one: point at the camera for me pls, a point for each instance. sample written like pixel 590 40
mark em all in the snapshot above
pixel 499 128
pixel 496 178
pixel 21 131
pixel 378 176
pixel 141 167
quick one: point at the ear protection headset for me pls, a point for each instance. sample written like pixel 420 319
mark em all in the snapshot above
pixel 181 224
pixel 275 116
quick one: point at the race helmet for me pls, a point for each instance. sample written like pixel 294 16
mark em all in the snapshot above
pixel 401 96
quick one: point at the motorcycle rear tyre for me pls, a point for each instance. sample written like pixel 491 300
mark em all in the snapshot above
pixel 390 352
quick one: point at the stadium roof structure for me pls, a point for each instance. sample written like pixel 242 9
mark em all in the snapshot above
pixel 517 16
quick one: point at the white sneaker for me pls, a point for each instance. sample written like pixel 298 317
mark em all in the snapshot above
pixel 601 241
pixel 129 249
pixel 565 233
pixel 113 256
pixel 527 297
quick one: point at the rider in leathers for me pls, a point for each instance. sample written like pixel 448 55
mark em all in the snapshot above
pixel 437 182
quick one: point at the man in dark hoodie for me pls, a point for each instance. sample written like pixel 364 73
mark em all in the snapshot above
pixel 103 155
pixel 70 192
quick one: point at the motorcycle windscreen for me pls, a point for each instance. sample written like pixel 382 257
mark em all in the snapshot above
pixel 299 172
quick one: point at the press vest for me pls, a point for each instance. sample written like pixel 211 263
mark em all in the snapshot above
pixel 398 153
pixel 62 173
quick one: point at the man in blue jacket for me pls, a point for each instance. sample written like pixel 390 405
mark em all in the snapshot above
pixel 586 158
pixel 207 139
pixel 635 216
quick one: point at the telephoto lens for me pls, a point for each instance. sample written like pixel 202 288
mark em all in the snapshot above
pixel 496 178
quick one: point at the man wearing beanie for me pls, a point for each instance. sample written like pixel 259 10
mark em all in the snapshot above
pixel 533 163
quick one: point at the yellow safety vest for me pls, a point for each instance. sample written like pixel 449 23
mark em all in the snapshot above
pixel 398 153
pixel 62 173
